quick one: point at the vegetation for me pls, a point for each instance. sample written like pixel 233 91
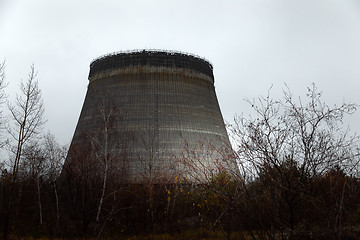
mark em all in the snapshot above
pixel 296 177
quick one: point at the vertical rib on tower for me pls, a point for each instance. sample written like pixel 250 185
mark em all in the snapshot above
pixel 146 110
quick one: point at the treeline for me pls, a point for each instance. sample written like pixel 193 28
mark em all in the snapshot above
pixel 294 174
pixel 321 207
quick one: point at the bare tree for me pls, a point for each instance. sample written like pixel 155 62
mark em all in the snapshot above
pixel 42 164
pixel 95 166
pixel 211 167
pixel 55 157
pixel 103 146
pixel 203 161
pixel 28 117
pixel 79 179
pixel 289 144
pixel 34 168
pixel 2 79
pixel 3 84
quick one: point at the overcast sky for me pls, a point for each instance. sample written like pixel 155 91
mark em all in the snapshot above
pixel 253 45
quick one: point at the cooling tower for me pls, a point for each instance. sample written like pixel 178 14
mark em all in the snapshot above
pixel 146 111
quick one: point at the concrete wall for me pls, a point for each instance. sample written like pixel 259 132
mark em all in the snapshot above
pixel 155 115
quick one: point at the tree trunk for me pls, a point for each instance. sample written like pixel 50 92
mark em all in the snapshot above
pixel 39 200
pixel 102 193
pixel 57 206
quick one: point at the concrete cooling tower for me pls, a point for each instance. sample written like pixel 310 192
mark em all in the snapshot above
pixel 145 112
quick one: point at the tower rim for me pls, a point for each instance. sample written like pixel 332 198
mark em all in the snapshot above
pixel 151 57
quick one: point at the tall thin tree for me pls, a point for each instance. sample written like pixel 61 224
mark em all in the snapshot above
pixel 3 85
pixel 27 119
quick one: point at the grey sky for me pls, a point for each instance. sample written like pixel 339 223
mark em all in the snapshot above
pixel 252 44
